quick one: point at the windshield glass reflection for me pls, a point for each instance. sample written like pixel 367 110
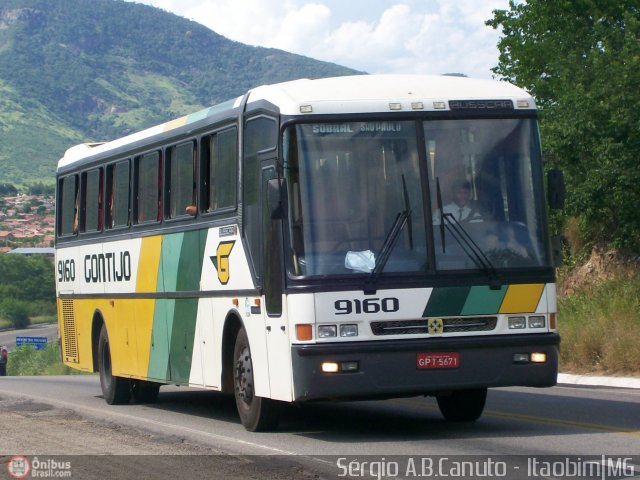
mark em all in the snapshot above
pixel 345 185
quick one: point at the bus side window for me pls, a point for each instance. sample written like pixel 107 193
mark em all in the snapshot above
pixel 220 170
pixel 148 186
pixel 180 195
pixel 68 206
pixel 118 195
pixel 91 205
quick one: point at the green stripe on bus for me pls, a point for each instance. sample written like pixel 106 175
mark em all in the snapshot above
pixel 160 335
pixel 186 310
pixel 171 252
pixel 447 301
pixel 182 337
pixel 484 301
pixel 174 321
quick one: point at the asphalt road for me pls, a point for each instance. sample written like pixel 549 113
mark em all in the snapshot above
pixel 563 420
pixel 8 337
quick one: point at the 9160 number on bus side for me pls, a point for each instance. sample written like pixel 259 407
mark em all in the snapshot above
pixel 66 271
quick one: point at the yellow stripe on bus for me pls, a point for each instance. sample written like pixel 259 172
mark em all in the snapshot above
pixel 148 264
pixel 178 122
pixel 522 298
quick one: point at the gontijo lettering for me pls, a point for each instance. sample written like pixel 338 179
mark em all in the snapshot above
pixel 107 267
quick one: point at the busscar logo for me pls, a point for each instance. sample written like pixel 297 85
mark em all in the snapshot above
pixel 221 260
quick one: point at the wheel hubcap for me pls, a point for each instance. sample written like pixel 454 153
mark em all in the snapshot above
pixel 244 376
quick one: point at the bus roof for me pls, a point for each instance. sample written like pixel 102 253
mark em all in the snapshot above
pixel 349 94
pixel 375 93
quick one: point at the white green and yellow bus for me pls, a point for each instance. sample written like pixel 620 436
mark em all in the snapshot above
pixel 344 238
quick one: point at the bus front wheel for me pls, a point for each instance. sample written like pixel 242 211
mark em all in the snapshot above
pixel 463 405
pixel 115 390
pixel 256 413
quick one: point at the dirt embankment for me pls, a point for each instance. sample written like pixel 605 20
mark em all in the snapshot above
pixel 49 436
pixel 600 267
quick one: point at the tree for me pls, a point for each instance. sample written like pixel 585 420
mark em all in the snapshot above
pixel 581 61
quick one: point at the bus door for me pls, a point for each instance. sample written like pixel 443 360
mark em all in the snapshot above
pixel 278 348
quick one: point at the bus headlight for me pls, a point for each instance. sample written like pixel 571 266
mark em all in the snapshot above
pixel 327 331
pixel 517 323
pixel 349 330
pixel 537 321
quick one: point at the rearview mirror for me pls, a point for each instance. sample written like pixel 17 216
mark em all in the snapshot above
pixel 555 189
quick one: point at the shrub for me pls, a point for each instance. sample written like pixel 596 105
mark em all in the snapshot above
pixel 16 311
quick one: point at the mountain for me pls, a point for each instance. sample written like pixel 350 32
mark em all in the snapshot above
pixel 73 71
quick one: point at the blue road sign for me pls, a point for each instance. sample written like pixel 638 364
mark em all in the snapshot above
pixel 39 343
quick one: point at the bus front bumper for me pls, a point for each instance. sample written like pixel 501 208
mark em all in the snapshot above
pixel 389 368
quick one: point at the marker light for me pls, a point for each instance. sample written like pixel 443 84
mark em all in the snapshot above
pixel 439 105
pixel 537 321
pixel 517 323
pixel 520 358
pixel 306 109
pixel 304 332
pixel 395 106
pixel 417 105
pixel 538 357
pixel 326 331
pixel 349 366
pixel 350 330
pixel 329 367
pixel 523 103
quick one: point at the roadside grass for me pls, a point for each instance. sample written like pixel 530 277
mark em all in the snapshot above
pixel 28 361
pixel 39 320
pixel 600 328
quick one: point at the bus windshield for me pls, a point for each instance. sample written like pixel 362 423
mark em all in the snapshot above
pixel 349 183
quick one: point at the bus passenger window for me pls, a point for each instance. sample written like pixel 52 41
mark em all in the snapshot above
pixel 148 183
pixel 221 170
pixel 68 206
pixel 118 195
pixel 91 201
pixel 181 181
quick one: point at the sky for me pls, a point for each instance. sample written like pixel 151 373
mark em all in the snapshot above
pixel 376 36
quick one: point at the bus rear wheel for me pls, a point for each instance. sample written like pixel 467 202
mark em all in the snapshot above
pixel 256 413
pixel 463 405
pixel 115 390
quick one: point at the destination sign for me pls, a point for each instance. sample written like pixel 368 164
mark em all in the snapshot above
pixel 354 128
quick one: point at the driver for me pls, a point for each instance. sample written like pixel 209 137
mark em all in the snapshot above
pixel 461 207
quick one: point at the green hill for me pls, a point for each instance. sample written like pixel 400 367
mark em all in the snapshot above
pixel 78 70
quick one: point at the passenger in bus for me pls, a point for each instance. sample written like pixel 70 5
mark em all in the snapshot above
pixel 461 206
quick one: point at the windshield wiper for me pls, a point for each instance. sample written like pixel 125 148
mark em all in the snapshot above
pixel 385 251
pixel 470 247
pixel 402 218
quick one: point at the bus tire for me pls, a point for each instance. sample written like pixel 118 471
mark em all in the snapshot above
pixel 463 405
pixel 144 392
pixel 256 413
pixel 115 390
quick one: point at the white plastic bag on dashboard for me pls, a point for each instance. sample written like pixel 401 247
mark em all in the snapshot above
pixel 364 261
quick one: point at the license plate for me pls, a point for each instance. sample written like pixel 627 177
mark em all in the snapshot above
pixel 438 360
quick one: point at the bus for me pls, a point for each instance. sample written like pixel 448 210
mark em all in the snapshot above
pixel 358 237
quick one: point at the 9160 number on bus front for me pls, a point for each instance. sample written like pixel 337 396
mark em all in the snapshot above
pixel 369 305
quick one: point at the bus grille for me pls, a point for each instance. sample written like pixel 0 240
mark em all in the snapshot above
pixel 413 327
pixel 70 338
